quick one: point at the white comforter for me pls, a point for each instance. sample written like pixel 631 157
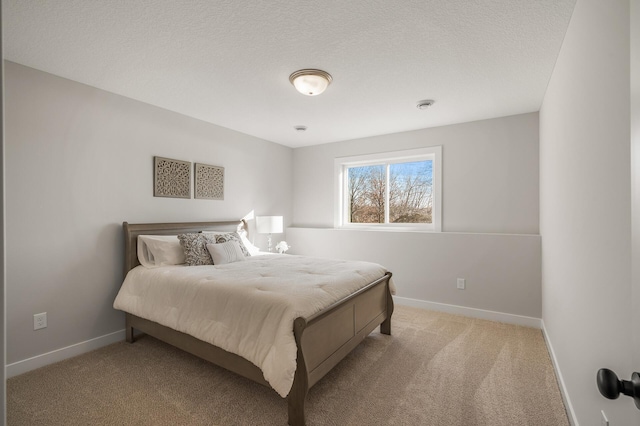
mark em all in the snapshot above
pixel 248 307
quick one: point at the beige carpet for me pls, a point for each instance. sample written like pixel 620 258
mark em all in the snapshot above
pixel 436 369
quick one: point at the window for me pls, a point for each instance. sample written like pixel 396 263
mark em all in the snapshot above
pixel 395 190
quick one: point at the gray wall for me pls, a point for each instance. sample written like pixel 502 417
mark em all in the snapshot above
pixel 489 174
pixel 490 216
pixel 502 271
pixel 585 209
pixel 635 174
pixel 3 387
pixel 79 162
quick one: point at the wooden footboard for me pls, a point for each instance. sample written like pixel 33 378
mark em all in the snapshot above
pixel 323 339
pixel 326 338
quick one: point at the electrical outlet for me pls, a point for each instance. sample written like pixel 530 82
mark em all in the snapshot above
pixel 40 321
pixel 461 284
pixel 604 421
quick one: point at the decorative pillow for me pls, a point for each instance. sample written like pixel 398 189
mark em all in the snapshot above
pixel 195 248
pixel 228 252
pixel 161 250
pixel 228 236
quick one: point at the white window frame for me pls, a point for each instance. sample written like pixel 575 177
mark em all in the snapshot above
pixel 341 164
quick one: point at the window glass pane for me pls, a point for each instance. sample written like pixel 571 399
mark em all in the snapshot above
pixel 366 193
pixel 399 190
pixel 411 192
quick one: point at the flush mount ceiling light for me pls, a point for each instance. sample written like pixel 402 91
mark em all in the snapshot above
pixel 425 104
pixel 310 82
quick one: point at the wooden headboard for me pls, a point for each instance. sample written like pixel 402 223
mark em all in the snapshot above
pixel 132 230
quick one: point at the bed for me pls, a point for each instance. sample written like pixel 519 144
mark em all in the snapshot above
pixel 321 340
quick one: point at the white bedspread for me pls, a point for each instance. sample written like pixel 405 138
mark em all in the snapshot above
pixel 246 308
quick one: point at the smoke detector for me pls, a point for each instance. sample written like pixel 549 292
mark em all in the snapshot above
pixel 425 104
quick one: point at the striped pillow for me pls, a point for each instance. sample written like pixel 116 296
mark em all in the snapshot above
pixel 228 252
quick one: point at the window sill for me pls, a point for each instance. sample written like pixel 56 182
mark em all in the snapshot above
pixel 387 230
pixel 383 228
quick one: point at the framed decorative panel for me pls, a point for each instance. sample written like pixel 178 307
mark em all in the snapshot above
pixel 172 178
pixel 209 182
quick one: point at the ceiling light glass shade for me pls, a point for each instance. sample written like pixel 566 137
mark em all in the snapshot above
pixel 310 82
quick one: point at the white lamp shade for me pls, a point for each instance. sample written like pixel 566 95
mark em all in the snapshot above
pixel 269 224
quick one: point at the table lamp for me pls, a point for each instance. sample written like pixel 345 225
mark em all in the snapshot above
pixel 269 225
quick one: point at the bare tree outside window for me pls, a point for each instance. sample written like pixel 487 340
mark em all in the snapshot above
pixel 406 188
pixel 367 193
pixel 410 192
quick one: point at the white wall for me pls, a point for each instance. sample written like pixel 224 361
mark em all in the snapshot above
pixel 585 209
pixel 79 162
pixel 490 217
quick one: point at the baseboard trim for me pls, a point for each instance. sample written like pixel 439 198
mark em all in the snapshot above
pixel 571 414
pixel 20 367
pixel 470 312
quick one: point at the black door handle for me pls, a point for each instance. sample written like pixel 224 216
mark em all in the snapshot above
pixel 611 387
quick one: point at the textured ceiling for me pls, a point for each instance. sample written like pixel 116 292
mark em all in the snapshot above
pixel 228 61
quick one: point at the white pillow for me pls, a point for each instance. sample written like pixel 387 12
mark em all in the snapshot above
pixel 253 250
pixel 160 250
pixel 144 255
pixel 228 252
